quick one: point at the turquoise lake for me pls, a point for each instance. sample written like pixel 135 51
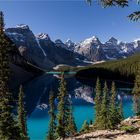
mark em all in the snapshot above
pixel 82 94
pixel 38 121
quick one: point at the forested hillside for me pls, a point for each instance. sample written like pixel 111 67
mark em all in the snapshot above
pixel 124 69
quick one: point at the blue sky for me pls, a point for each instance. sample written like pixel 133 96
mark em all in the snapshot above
pixel 71 19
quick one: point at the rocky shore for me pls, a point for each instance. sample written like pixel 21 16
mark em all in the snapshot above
pixel 126 131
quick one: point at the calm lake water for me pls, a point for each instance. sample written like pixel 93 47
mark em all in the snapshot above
pixel 83 103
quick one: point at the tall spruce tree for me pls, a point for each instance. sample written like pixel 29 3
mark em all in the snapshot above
pixel 114 111
pixel 136 92
pixel 72 125
pixel 63 110
pixel 85 127
pixel 9 129
pixel 105 114
pixel 52 124
pixel 22 115
pixel 98 101
pixel 120 109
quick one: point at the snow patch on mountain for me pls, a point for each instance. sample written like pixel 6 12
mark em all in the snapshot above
pixel 15 36
pixel 40 47
pixel 93 39
pixel 43 36
pixel 137 39
pixel 22 26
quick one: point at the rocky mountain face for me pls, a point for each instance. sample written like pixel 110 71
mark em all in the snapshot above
pixel 41 51
pixel 21 71
pixel 91 48
pixel 94 50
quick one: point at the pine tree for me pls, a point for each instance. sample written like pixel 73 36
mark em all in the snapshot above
pixel 91 123
pixel 136 92
pixel 121 116
pixel 136 102
pixel 63 110
pixel 52 124
pixel 9 129
pixel 85 127
pixel 22 115
pixel 114 112
pixel 98 101
pixel 105 114
pixel 72 125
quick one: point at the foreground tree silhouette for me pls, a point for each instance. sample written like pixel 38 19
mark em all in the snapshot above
pixel 114 109
pixel 71 125
pixel 63 110
pixel 121 116
pixel 108 112
pixel 85 127
pixel 98 101
pixel 9 129
pixel 66 124
pixel 52 124
pixel 22 115
pixel 135 16
pixel 136 92
pixel 105 113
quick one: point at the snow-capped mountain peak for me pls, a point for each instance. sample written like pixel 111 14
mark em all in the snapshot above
pixel 58 41
pixel 43 36
pixel 69 42
pixel 136 40
pixel 91 40
pixel 22 26
pixel 112 41
pixel 41 48
pixel 70 45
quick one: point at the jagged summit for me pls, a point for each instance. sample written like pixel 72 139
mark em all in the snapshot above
pixel 40 48
pixel 58 41
pixel 91 40
pixel 112 41
pixel 136 40
pixel 43 36
pixel 22 26
pixel 69 42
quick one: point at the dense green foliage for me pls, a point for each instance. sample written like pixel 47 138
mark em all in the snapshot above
pixel 97 100
pixel 8 126
pixel 135 16
pixel 121 115
pixel 105 121
pixel 85 127
pixel 64 115
pixel 124 69
pixel 22 115
pixel 52 124
pixel 72 129
pixel 129 129
pixel 136 92
pixel 115 111
pixel 108 112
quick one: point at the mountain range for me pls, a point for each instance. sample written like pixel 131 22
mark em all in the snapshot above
pixel 41 51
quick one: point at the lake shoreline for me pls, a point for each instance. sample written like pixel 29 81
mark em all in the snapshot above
pixel 117 134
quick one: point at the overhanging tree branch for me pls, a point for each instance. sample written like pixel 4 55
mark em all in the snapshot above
pixel 135 16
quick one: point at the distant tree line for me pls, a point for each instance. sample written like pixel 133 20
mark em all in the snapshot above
pixel 123 70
